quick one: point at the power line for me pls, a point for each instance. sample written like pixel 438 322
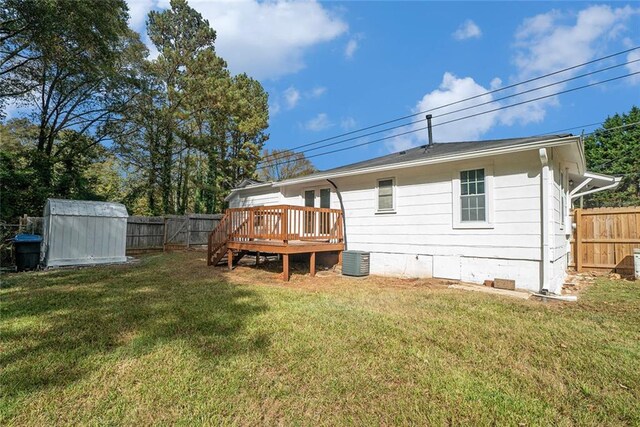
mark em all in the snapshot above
pixel 283 156
pixel 465 99
pixel 540 87
pixel 571 128
pixel 454 120
pixel 538 98
pixel 605 130
pixel 598 131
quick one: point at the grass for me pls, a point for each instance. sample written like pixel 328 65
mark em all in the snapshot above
pixel 172 341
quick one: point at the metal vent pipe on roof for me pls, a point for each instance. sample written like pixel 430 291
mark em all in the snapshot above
pixel 430 129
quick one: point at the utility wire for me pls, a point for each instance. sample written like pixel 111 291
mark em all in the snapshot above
pixel 601 131
pixel 538 98
pixel 466 99
pixel 540 87
pixel 270 164
pixel 605 130
pixel 285 155
pixel 572 128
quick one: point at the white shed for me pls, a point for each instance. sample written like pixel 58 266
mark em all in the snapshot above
pixel 78 232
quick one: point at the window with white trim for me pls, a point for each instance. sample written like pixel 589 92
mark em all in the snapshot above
pixel 386 188
pixel 472 196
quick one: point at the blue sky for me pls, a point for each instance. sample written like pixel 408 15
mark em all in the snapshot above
pixel 332 67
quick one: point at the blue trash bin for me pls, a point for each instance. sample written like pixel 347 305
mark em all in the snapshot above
pixel 27 251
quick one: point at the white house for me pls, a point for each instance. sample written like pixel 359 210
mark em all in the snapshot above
pixel 465 210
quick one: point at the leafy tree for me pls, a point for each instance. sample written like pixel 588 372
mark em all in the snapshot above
pixel 75 64
pixel 615 149
pixel 196 131
pixel 184 131
pixel 81 172
pixel 284 164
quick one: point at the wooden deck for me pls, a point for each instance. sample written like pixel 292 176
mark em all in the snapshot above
pixel 281 229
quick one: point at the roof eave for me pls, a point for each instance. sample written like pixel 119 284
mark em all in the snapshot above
pixel 442 159
pixel 248 187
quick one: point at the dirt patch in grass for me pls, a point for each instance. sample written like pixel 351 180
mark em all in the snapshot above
pixel 270 273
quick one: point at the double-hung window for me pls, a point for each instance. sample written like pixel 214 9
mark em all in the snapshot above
pixel 385 195
pixel 472 196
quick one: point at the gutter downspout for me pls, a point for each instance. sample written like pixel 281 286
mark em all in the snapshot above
pixel 344 217
pixel 544 220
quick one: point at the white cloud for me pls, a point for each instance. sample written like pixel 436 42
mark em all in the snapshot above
pixel 13 109
pixel 352 45
pixel 274 109
pixel 318 123
pixel 467 30
pixel 350 48
pixel 348 123
pixel 545 43
pixel 634 67
pixel 317 91
pixel 553 41
pixel 451 89
pixel 268 39
pixel 291 97
pixel 138 11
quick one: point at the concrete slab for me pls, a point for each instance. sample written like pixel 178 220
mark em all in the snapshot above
pixel 494 291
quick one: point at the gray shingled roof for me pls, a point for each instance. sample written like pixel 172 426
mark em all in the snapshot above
pixel 441 149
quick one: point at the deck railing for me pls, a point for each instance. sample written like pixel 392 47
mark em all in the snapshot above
pixel 285 223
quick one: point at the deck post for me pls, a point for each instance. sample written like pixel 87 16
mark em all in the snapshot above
pixel 285 267
pixel 230 258
pixel 257 258
pixel 312 264
pixel 340 257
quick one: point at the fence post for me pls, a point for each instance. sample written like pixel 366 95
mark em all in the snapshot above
pixel 578 239
pixel 188 231
pixel 164 239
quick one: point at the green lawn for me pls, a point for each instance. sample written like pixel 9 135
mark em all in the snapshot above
pixel 170 340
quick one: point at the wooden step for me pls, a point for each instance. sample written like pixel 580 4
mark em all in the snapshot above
pixel 237 256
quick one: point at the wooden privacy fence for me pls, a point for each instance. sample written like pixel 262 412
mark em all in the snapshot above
pixel 604 239
pixel 146 233
pixel 169 232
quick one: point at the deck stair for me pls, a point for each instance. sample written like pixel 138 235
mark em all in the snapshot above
pixel 217 248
